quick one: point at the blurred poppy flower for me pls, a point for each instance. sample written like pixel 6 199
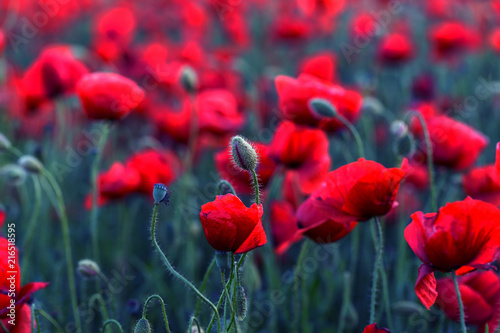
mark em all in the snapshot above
pixel 303 151
pixel 154 166
pixel 417 174
pixel 483 183
pixel 321 65
pixel 423 87
pixel 495 40
pixel 479 292
pixel 2 217
pixel 395 49
pixel 287 28
pixel 3 41
pixel 295 94
pixel 218 112
pixel 497 158
pixel 451 38
pixel 23 321
pixel 462 236
pixel 108 95
pixel 283 226
pixel 240 179
pixel 373 328
pixel 230 226
pixel 53 74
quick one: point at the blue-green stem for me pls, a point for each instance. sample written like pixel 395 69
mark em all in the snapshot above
pixel 354 133
pixel 97 298
pixel 51 320
pixel 222 183
pixel 177 274
pixel 67 245
pixel 256 187
pixel 430 161
pixel 163 309
pixel 376 270
pixel 296 286
pixel 192 321
pixel 203 285
pixel 463 328
pixel 33 221
pixel 114 322
pixel 94 176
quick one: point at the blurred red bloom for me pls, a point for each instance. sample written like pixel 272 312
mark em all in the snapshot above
pixel 108 95
pixel 321 65
pixel 2 217
pixel 54 73
pixel 479 291
pixel 23 321
pixel 230 226
pixel 287 27
pixel 284 227
pixel 450 38
pixel 218 112
pixel 497 158
pixel 462 236
pixel 3 41
pixel 154 166
pixel 483 183
pixel 302 150
pixel 241 179
pixel 417 175
pixel 373 328
pixel 118 181
pixel 395 49
pixel 294 96
pixel 495 40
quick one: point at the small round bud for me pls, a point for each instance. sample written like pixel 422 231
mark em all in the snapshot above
pixel 189 79
pixel 399 128
pixel 4 143
pixel 88 268
pixel 13 174
pixel 161 194
pixel 143 326
pixel 223 261
pixel 244 155
pixel 322 107
pixel 30 164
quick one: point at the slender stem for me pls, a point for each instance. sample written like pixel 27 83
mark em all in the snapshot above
pixel 112 321
pixel 226 292
pixel 164 311
pixel 346 300
pixel 430 160
pixel 256 187
pixel 33 221
pixel 103 310
pixel 51 320
pixel 35 322
pixel 222 183
pixel 5 328
pixel 463 328
pixel 296 285
pixel 192 321
pixel 94 175
pixel 376 269
pixel 354 133
pixel 67 246
pixel 203 285
pixel 110 288
pixel 177 274
pixel 385 294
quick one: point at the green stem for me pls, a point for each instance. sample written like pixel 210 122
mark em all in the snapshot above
pixel 463 328
pixel 5 328
pixel 376 269
pixel 164 311
pixel 430 160
pixel 222 183
pixel 112 321
pixel 192 321
pixel 110 288
pixel 94 175
pixel 103 310
pixel 296 285
pixel 175 273
pixel 385 293
pixel 256 187
pixel 51 320
pixel 203 285
pixel 33 221
pixel 67 245
pixel 354 133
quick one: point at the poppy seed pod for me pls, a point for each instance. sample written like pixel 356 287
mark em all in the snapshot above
pixel 189 79
pixel 161 194
pixel 322 107
pixel 244 155
pixel 143 326
pixel 88 268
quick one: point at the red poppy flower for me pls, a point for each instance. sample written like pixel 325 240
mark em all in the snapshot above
pixel 240 179
pixel 373 328
pixel 54 73
pixel 303 151
pixel 108 95
pixel 479 292
pixel 321 65
pixel 283 226
pixel 2 217
pixel 3 41
pixel 287 27
pixel 22 322
pixel 153 166
pixel 450 38
pixel 495 40
pixel 483 183
pixel 454 144
pixel 417 174
pixel 395 49
pixel 230 226
pixel 497 158
pixel 462 236
pixel 218 112
pixel 295 94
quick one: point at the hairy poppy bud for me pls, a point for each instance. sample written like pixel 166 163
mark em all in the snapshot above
pixel 143 326
pixel 13 174
pixel 189 79
pixel 241 306
pixel 244 155
pixel 161 194
pixel 88 268
pixel 4 143
pixel 30 164
pixel 322 107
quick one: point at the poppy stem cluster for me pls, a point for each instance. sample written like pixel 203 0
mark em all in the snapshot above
pixel 463 328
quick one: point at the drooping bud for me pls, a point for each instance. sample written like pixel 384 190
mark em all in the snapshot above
pixel 189 79
pixel 4 143
pixel 404 143
pixel 241 307
pixel 161 194
pixel 143 326
pixel 322 107
pixel 13 174
pixel 399 128
pixel 223 261
pixel 30 164
pixel 88 268
pixel 244 155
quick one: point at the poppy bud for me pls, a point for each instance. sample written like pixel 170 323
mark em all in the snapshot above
pixel 161 194
pixel 143 326
pixel 13 174
pixel 4 143
pixel 189 79
pixel 223 261
pixel 241 305
pixel 244 155
pixel 30 164
pixel 399 128
pixel 88 268
pixel 322 108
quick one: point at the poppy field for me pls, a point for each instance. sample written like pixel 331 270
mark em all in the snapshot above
pixel 312 166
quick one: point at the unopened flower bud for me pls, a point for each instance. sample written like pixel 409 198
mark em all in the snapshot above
pixel 244 155
pixel 143 326
pixel 88 268
pixel 322 107
pixel 241 303
pixel 4 143
pixel 30 164
pixel 161 194
pixel 189 79
pixel 399 128
pixel 13 174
